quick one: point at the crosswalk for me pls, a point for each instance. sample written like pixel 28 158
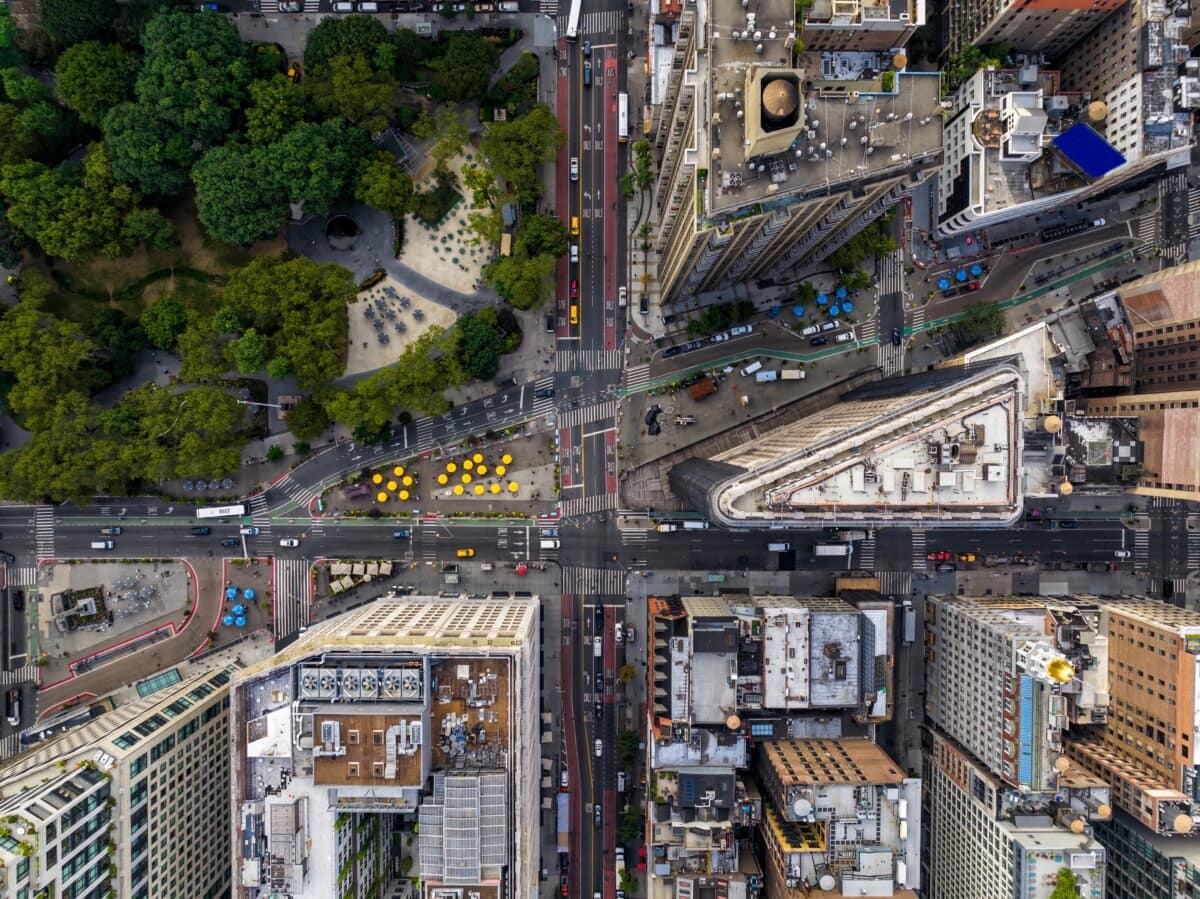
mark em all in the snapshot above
pixel 635 538
pixel 918 318
pixel 548 8
pixel 891 273
pixel 637 376
pixel 895 583
pixel 890 358
pixel 21 576
pixel 1141 541
pixel 610 21
pixel 1146 232
pixel 9 746
pixel 541 405
pixel 1193 550
pixel 293 596
pixel 586 505
pixel 26 674
pixel 918 549
pixel 261 518
pixel 43 530
pixel 867 332
pixel 589 360
pixel 1194 212
pixel 593 581
pixel 587 414
pixel 866 554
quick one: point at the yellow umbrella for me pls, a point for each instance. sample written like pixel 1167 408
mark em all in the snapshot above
pixel 495 488
pixel 466 478
pixel 478 457
pixel 451 467
pixel 500 470
pixel 468 464
pixel 442 479
pixel 381 497
pixel 481 470
pixel 392 485
pixel 407 481
pixel 506 459
pixel 512 486
pixel 404 496
pixel 458 489
pixel 479 490
pixel 398 470
pixel 377 478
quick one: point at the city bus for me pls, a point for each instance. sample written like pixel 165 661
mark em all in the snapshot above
pixel 221 511
pixel 573 20
pixel 623 117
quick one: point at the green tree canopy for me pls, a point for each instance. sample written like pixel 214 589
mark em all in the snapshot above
pixel 92 78
pixel 178 434
pixel 463 73
pixel 445 127
pixel 73 21
pixel 308 420
pixel 384 185
pixel 10 51
pixel 1065 886
pixel 342 36
pixel 980 322
pixel 480 344
pixel 147 150
pixel 250 352
pixel 543 234
pixel 316 163
pixel 17 142
pixel 239 198
pixel 163 322
pixel 349 87
pixel 276 107
pixel 516 149
pixel 407 52
pixel 525 281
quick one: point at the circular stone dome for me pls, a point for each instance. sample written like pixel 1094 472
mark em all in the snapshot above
pixel 1097 111
pixel 779 99
pixel 1182 823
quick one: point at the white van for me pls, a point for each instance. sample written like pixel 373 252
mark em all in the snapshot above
pixel 368 7
pixel 810 330
pixel 845 337
pixel 102 544
pixel 622 296
pixel 778 547
pixel 574 253
pixel 548 544
pixel 343 7
pixel 751 369
pixel 740 330
pixel 764 376
pixel 830 326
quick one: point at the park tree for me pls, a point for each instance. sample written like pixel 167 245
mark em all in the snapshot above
pixel 406 52
pixel 980 321
pixel 316 163
pixel 277 105
pixel 118 338
pixel 250 352
pixel 163 322
pixel 349 87
pixel 446 129
pixel 74 21
pixel 201 348
pixel 17 142
pixel 148 226
pixel 180 433
pixel 543 234
pixel 463 73
pixel 482 184
pixel 239 198
pixel 480 344
pixel 301 307
pixel 10 51
pixel 265 60
pixel 92 78
pixel 525 281
pixel 147 150
pixel 343 36
pixel 22 89
pixel 308 420
pixel 516 149
pixel 384 185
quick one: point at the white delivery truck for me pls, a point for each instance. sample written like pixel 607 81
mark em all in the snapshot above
pixel 102 544
pixel 778 547
pixel 833 549
pixel 548 544
pixel 764 376
pixel 792 374
pixel 695 525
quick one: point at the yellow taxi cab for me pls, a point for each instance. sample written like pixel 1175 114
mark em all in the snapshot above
pixel 574 226
pixel 466 553
pixel 966 557
pixel 574 314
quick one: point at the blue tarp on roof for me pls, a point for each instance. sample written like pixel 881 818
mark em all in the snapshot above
pixel 1088 151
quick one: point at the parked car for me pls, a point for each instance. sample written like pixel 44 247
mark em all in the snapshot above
pixel 231 542
pixel 740 330
pixel 201 532
pixel 672 351
pixel 1068 524
pixel 599 815
pixel 818 341
pixel 972 286
pixel 947 566
pixel 719 338
pixel 599 682
pixel 250 532
pixel 574 288
pixel 465 553
pixel 587 49
pixel 544 393
pixel 845 337
pixel 966 557
pixel 574 168
pixel 402 534
pixel 897 337
pixel 289 541
pixel 941 555
pixel 599 748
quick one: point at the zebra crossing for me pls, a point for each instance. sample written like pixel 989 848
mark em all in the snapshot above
pixel 866 554
pixel 586 505
pixel 635 538
pixel 293 596
pixel 890 358
pixel 10 746
pixel 21 576
pixel 26 674
pixel 1141 541
pixel 868 331
pixel 610 21
pixel 548 8
pixel 918 319
pixel 891 273
pixel 637 376
pixel 261 518
pixel 587 414
pixel 593 581
pixel 541 404
pixel 895 583
pixel 43 530
pixel 1146 231
pixel 918 549
pixel 588 360
pixel 1193 550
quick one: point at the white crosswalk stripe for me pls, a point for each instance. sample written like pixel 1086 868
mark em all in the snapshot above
pixel 610 21
pixel 866 554
pixel 588 360
pixel 312 6
pixel 21 576
pixel 635 538
pixel 918 550
pixel 587 414
pixel 867 332
pixel 1147 233
pixel 268 7
pixel 548 8
pixel 636 376
pixel 593 581
pixel 9 746
pixel 1179 585
pixel 1141 541
pixel 1193 550
pixel 26 674
pixel 891 272
pixel 586 505
pixel 43 529
pixel 918 318
pixel 895 583
pixel 260 517
pixel 542 405
pixel 890 358
pixel 292 596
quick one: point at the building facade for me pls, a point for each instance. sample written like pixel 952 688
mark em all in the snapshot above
pixel 1047 26
pixel 129 804
pixel 1164 312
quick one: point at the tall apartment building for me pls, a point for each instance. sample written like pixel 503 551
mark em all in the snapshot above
pixel 840 819
pixel 1018 144
pixel 1048 26
pixel 728 672
pixel 1163 310
pixel 130 804
pixel 767 161
pixel 396 741
pixel 1168 426
pixel 932 449
pixel 1005 677
pixel 1146 865
pixel 855 25
pixel 1149 746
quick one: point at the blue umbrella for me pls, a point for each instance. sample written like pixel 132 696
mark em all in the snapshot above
pixel 841 293
pixel 943 284
pixel 239 609
pixel 230 592
pixel 976 271
pixel 249 594
pixel 797 311
pixel 835 309
pixel 961 275
pixel 847 306
pixel 240 622
pixel 227 620
pixel 821 299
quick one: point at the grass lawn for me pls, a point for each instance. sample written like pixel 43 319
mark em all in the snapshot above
pixel 133 282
